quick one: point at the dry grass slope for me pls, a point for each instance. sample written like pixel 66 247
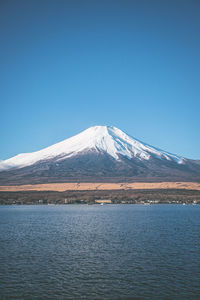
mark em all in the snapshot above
pixel 61 187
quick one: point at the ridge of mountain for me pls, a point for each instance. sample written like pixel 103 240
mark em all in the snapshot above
pixel 99 153
pixel 109 139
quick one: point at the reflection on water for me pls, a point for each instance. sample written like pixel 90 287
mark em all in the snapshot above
pixel 100 252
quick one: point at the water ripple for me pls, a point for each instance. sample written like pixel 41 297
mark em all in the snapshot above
pixel 93 252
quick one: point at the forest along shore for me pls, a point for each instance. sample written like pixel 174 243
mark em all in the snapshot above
pixel 112 196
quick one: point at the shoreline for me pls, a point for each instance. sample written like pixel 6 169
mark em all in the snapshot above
pixel 86 204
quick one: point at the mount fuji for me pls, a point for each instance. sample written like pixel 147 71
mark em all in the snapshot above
pixel 100 153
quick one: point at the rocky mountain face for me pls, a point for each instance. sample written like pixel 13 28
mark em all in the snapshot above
pixel 100 153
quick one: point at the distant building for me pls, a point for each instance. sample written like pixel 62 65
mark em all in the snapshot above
pixel 108 201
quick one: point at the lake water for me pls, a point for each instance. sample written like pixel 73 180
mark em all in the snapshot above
pixel 100 252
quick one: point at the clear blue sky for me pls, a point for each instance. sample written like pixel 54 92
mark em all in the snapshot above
pixel 68 65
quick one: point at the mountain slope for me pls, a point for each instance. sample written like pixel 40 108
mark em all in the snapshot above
pixel 100 153
pixel 110 140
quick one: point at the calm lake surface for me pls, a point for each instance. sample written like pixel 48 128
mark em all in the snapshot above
pixel 100 252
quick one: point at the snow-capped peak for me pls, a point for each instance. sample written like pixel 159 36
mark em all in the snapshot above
pixel 108 139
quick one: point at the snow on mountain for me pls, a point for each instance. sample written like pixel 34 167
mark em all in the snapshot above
pixel 109 139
